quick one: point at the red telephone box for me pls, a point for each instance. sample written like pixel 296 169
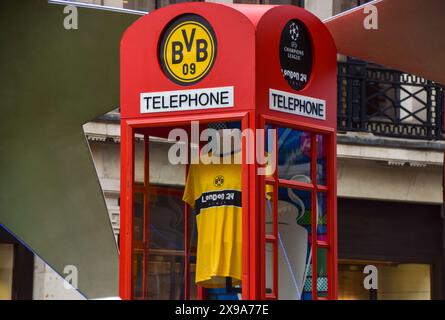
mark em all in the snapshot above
pixel 261 67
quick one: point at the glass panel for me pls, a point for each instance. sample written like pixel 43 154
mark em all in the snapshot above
pixel 350 282
pixel 138 217
pixel 269 159
pixel 166 219
pixel 344 5
pixel 322 272
pixel 322 217
pixel 294 155
pixel 293 2
pixel 165 275
pixel 139 5
pixel 163 3
pixel 307 289
pixel 137 274
pixel 247 1
pixel 269 267
pixel 400 281
pixel 6 269
pixel 405 281
pixel 268 188
pixel 269 200
pixel 166 244
pixel 139 159
pixel 321 159
pixel 294 245
pixel 193 287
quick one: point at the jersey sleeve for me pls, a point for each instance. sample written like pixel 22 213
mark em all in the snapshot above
pixel 269 191
pixel 269 173
pixel 189 195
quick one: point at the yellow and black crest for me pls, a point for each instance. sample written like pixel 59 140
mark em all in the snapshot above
pixel 219 181
pixel 187 49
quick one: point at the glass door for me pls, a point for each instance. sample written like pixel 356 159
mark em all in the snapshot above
pixel 298 210
pixel 164 248
pixel 187 212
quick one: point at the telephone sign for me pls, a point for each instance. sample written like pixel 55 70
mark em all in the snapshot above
pixel 188 49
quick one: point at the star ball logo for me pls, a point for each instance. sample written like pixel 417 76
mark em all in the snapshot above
pixel 187 49
pixel 296 54
pixel 294 31
pixel 219 181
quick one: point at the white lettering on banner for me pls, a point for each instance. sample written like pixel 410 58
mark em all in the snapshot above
pixel 183 100
pixel 297 104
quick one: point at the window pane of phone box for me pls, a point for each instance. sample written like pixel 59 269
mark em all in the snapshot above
pixel 294 155
pixel 294 243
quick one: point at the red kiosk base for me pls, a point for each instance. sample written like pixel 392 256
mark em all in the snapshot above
pixel 261 69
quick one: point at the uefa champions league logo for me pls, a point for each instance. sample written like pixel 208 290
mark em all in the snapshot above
pixel 294 31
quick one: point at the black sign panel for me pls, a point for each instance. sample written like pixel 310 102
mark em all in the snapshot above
pixel 296 54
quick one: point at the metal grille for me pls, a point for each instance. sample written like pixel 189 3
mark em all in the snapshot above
pixel 388 102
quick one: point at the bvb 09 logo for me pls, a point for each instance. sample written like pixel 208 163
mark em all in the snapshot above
pixel 219 181
pixel 188 49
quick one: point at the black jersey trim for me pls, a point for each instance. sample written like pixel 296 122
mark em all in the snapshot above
pixel 218 198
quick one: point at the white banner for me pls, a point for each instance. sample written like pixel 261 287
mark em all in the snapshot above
pixel 183 100
pixel 296 104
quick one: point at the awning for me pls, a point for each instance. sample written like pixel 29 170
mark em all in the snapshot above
pixel 409 36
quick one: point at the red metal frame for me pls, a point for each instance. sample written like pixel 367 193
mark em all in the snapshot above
pixel 315 189
pixel 146 216
pixel 252 223
pixel 186 247
pixel 128 129
pixel 126 208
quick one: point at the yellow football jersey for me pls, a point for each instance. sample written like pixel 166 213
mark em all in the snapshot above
pixel 214 191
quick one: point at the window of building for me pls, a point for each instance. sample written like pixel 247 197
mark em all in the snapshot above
pixel 138 5
pixel 340 6
pixel 16 268
pixel 6 271
pixel 299 3
pixel 150 5
pixel 396 281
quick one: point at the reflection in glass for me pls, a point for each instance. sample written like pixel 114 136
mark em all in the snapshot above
pixel 294 155
pixel 269 212
pixel 322 217
pixel 294 243
pixel 138 217
pixel 322 272
pixel 137 274
pixel 321 159
pixel 293 2
pixel 247 1
pixel 165 274
pixel 138 5
pixel 158 264
pixel 269 268
pixel 138 160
